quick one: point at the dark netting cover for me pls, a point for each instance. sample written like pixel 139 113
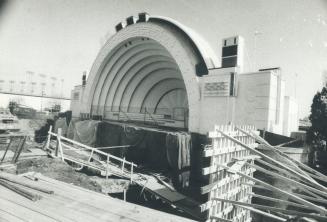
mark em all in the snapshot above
pixel 156 149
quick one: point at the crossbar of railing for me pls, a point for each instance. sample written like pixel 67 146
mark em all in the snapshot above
pixel 113 147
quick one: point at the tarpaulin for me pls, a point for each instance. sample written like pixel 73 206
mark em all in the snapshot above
pixel 83 131
pixel 61 123
pixel 178 145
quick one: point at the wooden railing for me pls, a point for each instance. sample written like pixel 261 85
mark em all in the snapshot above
pixel 90 152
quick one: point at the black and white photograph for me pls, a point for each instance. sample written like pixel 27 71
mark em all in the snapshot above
pixel 163 110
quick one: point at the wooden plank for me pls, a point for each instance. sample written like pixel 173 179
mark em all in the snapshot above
pixel 6 216
pixel 29 211
pixel 75 203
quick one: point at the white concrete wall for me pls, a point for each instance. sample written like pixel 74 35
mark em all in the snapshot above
pixel 291 117
pixel 257 101
pixel 76 103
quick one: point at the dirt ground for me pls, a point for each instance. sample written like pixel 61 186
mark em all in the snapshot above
pixel 58 170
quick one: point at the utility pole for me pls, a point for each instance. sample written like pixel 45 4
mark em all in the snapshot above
pixel 295 86
pixel 43 94
pixel 2 84
pixel 30 80
pixel 12 82
pixel 22 84
pixel 62 87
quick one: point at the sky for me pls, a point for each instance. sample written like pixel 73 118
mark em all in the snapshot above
pixel 61 38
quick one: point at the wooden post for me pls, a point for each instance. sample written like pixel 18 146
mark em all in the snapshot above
pixel 48 138
pixel 5 153
pixel 19 149
pixel 122 168
pixel 59 144
pixel 107 169
pixel 132 172
pixel 89 160
pixel 124 194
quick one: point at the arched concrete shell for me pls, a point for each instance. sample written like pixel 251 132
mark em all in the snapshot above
pixel 144 65
pixel 204 48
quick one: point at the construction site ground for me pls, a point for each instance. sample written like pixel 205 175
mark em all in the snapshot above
pixel 34 159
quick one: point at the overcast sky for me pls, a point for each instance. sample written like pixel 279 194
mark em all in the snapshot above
pixel 61 38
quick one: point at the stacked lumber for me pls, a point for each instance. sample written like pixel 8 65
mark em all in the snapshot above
pixel 18 185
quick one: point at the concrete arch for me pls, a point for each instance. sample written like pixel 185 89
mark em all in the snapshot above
pixel 137 80
pixel 150 82
pixel 130 67
pixel 172 96
pixel 118 53
pixel 147 51
pixel 159 89
pixel 151 64
pixel 123 62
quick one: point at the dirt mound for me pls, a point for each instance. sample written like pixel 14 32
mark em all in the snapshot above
pixel 58 170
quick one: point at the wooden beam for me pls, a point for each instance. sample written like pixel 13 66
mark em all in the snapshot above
pixel 277 168
pixel 266 214
pixel 112 147
pixel 19 180
pixel 258 206
pixel 287 179
pixel 220 219
pixel 278 200
pixel 270 159
pixel 278 152
pixel 21 191
pixel 297 194
pixel 286 173
pixel 293 196
pixel 261 140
